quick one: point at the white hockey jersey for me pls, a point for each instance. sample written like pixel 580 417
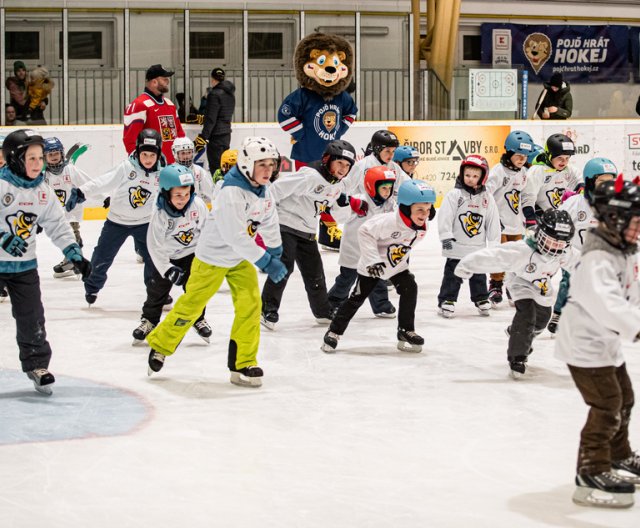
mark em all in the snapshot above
pixel 528 271
pixel 354 181
pixel 387 238
pixel 204 183
pixel 471 219
pixel 580 212
pixel 173 237
pixel 506 186
pixel 239 213
pixel 545 186
pixel 301 196
pixel 22 209
pixel 133 192
pixel 70 177
pixel 603 307
pixel 349 244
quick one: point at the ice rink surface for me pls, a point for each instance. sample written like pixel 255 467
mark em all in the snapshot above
pixel 368 437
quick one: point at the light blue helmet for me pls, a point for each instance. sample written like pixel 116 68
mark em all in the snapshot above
pixel 519 142
pixel 404 153
pixel 53 144
pixel 175 175
pixel 415 191
pixel 594 168
pixel 2 140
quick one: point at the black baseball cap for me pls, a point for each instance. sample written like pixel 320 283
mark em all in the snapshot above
pixel 218 74
pixel 157 71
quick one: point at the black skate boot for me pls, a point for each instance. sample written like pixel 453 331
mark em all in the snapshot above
pixel 628 469
pixel 247 377
pixel 553 323
pixel 63 269
pixel 330 342
pixel 388 312
pixel 91 298
pixel 142 331
pixel 156 362
pixel 409 341
pixel 4 294
pixel 604 490
pixel 518 366
pixel 495 292
pixel 269 320
pixel 203 329
pixel 42 380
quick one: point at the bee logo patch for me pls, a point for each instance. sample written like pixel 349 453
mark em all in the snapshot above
pixel 184 237
pixel 62 196
pixel 471 223
pixel 513 200
pixel 320 206
pixel 542 285
pixel 21 224
pixel 138 196
pixel 396 252
pixel 252 228
pixel 555 197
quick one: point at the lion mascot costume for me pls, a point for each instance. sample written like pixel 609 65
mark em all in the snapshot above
pixel 321 110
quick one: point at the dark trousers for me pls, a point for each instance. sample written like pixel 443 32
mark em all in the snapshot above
pixel 605 436
pixel 529 320
pixel 159 288
pixel 216 146
pixel 111 239
pixel 303 252
pixel 406 287
pixel 451 283
pixel 28 312
pixel 339 292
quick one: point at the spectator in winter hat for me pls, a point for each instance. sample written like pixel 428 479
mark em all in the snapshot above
pixel 17 86
pixel 555 101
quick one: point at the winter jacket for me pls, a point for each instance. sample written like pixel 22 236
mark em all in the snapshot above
pixel 562 99
pixel 221 102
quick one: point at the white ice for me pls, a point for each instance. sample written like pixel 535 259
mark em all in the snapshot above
pixel 368 437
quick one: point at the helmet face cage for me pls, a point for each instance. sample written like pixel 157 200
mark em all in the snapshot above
pixel 519 142
pixel 183 145
pixel 51 145
pixel 383 139
pixel 554 232
pixel 255 149
pixel 15 147
pixel 547 245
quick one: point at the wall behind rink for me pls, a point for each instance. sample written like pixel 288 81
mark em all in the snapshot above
pixel 442 145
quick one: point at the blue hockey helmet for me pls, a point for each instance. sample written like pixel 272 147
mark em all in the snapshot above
pixel 53 144
pixel 594 168
pixel 404 153
pixel 415 191
pixel 519 142
pixel 175 175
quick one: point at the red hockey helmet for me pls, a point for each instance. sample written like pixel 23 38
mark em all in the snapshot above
pixel 376 176
pixel 475 160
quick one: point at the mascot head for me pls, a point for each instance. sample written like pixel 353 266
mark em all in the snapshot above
pixel 324 64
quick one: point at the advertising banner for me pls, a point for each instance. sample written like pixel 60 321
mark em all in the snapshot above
pixel 582 54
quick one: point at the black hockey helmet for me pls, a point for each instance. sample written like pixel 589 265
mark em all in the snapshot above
pixel 554 232
pixel 149 140
pixel 15 147
pixel 559 145
pixel 614 204
pixel 383 139
pixel 338 149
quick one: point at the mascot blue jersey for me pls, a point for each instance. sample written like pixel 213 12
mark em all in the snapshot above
pixel 313 121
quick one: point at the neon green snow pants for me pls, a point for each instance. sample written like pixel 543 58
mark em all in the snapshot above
pixel 203 283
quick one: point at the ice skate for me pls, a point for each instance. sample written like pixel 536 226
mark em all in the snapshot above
pixel 390 286
pixel 91 298
pixel 203 329
pixel 484 308
pixel 604 490
pixel 628 469
pixel 517 367
pixel 269 320
pixel 330 342
pixel 156 362
pixel 553 323
pixel 324 321
pixel 168 304
pixel 64 269
pixel 409 341
pixel 139 258
pixel 142 331
pixel 387 313
pixel 495 292
pixel 447 309
pixel 42 380
pixel 4 294
pixel 247 377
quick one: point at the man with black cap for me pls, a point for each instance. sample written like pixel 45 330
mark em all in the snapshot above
pixel 152 109
pixel 555 101
pixel 216 132
pixel 17 86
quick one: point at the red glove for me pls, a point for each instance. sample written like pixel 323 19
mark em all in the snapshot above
pixel 360 207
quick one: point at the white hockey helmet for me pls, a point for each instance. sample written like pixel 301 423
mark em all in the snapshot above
pixel 255 149
pixel 180 145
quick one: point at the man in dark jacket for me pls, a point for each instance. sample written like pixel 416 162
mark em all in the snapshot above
pixel 555 101
pixel 216 132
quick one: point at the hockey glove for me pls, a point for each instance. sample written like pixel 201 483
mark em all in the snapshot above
pixel 81 265
pixel 358 206
pixel 275 251
pixel 529 216
pixel 272 266
pixel 107 202
pixel 175 275
pixel 447 244
pixel 376 270
pixel 12 244
pixel 76 197
pixel 200 143
pixel 432 213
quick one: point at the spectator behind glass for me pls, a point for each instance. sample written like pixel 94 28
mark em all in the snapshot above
pixel 555 101
pixel 17 86
pixel 10 116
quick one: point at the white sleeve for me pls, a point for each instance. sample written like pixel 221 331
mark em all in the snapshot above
pixel 368 236
pixel 505 257
pixel 445 215
pixel 55 225
pixel 493 228
pixel 494 181
pixel 103 183
pixel 529 194
pixel 206 186
pixel 157 243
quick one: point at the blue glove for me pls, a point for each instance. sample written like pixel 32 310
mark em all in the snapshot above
pixel 275 252
pixel 175 275
pixel 73 254
pixel 75 197
pixel 13 244
pixel 272 266
pixel 447 243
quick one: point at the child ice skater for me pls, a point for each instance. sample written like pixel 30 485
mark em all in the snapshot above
pixel 468 220
pixel 183 151
pixel 386 242
pixel 604 310
pixel 530 264
pixel 27 203
pixel 174 231
pixel 227 250
pixel 407 158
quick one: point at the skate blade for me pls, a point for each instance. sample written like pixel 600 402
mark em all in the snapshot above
pixel 167 307
pixel 627 476
pixel 515 374
pixel 47 390
pixel 485 313
pixel 328 349
pixel 404 346
pixel 323 321
pixel 385 315
pixel 445 315
pixel 244 381
pixel 585 496
pixel 138 342
pixel 64 274
pixel 267 324
pixel 205 339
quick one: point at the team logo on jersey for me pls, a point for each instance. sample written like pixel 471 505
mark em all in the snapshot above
pixel 395 234
pixel 321 207
pixel 138 196
pixel 62 196
pixel 471 223
pixel 329 120
pixel 184 237
pixel 21 224
pixel 582 216
pixel 530 268
pixel 318 189
pixel 542 285
pixel 513 200
pixel 132 175
pixel 167 127
pixel 555 197
pixel 396 252
pixel 547 178
pixel 8 199
pixel 252 228
pixel 505 181
pixel 460 202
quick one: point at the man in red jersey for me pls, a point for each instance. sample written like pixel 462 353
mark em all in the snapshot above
pixel 152 110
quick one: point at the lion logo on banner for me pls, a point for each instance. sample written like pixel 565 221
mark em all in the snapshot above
pixel 537 48
pixel 471 223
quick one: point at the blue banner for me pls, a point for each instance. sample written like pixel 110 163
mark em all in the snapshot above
pixel 634 43
pixel 582 54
